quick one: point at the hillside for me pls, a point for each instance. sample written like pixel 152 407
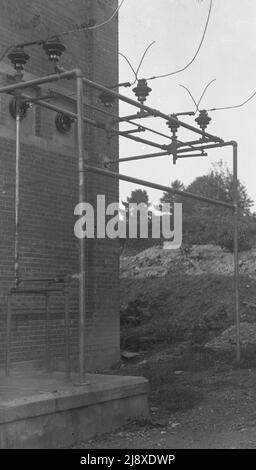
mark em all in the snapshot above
pixel 185 296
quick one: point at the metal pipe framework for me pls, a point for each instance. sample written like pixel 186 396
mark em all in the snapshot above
pixel 152 111
pixel 82 168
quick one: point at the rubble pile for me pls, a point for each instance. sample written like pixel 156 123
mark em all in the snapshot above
pixel 227 340
pixel 173 296
pixel 195 260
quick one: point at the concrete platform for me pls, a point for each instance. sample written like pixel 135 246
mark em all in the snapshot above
pixel 43 411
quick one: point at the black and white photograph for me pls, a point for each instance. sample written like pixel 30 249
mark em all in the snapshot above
pixel 127 230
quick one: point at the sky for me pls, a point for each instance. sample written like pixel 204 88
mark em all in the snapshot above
pixel 228 55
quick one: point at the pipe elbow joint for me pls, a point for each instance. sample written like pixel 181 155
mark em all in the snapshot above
pixel 234 143
pixel 78 73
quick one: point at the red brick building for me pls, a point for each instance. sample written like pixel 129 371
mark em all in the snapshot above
pixel 48 183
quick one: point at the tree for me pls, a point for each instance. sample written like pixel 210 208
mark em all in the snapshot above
pixel 208 223
pixel 218 184
pixel 138 196
pixel 171 198
pixel 205 223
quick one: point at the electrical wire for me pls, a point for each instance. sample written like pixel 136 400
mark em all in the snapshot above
pixel 196 53
pixel 190 94
pixel 206 88
pixel 202 95
pixel 135 72
pixel 96 26
pixel 6 50
pixel 130 65
pixel 143 57
pixel 235 106
pixel 65 33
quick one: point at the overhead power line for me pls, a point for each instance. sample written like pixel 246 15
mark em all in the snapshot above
pixel 143 57
pixel 196 53
pixel 197 104
pixel 65 33
pixel 135 72
pixel 96 26
pixel 236 105
pixel 130 65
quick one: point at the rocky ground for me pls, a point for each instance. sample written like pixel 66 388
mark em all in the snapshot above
pixel 170 297
pixel 177 329
pixel 219 414
pixel 194 260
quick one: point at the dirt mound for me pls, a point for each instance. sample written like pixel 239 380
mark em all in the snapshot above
pixel 173 296
pixel 195 260
pixel 227 340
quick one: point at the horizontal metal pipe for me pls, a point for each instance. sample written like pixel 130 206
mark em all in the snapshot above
pixel 140 140
pixel 58 109
pixel 139 125
pixel 160 187
pixel 152 155
pixel 99 124
pixel 72 73
pixel 38 81
pixel 31 43
pixel 93 122
pixel 186 113
pixel 205 147
pixel 145 128
pixel 118 119
pixel 128 120
pixel 153 130
pixel 55 280
pixel 130 117
pixel 138 157
pixel 152 111
pixel 134 131
pixel 192 155
pixel 192 142
pixel 34 291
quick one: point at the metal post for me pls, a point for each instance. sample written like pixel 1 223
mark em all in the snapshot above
pixel 236 250
pixel 67 333
pixel 17 198
pixel 81 189
pixel 8 336
pixel 47 334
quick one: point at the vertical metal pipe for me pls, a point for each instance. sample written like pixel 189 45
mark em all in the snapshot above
pixel 47 334
pixel 81 189
pixel 17 199
pixel 236 251
pixel 67 333
pixel 8 336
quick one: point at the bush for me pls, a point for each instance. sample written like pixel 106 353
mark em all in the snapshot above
pixel 225 235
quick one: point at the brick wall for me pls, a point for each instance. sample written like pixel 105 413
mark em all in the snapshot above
pixel 48 185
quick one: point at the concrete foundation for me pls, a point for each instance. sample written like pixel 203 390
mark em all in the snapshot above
pixel 44 411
